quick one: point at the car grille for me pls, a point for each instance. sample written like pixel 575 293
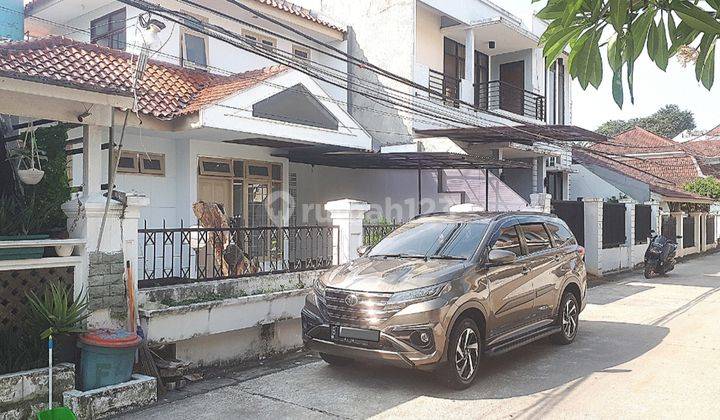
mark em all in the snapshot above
pixel 370 309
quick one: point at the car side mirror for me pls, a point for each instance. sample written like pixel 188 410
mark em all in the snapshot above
pixel 501 257
pixel 363 249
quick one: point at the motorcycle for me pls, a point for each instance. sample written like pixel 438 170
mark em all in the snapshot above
pixel 659 256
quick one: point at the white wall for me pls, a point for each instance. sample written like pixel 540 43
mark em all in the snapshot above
pixel 428 39
pixel 584 183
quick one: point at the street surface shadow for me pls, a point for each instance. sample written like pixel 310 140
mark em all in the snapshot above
pixel 355 391
pixel 615 292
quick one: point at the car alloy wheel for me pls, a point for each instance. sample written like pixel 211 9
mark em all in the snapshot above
pixel 570 319
pixel 467 354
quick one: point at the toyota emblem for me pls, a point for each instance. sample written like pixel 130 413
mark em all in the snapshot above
pixel 351 300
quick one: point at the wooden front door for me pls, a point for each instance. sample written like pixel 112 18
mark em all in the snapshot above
pixel 512 83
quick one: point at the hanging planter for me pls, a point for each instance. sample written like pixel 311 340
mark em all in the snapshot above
pixel 29 169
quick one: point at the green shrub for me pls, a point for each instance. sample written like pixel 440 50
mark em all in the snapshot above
pixel 708 187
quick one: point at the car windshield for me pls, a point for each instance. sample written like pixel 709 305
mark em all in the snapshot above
pixel 432 240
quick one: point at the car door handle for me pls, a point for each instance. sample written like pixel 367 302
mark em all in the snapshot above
pixel 525 270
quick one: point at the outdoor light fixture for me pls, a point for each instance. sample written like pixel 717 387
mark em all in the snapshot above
pixel 491 45
pixel 84 115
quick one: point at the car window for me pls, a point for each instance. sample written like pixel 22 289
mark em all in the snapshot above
pixel 432 239
pixel 508 240
pixel 536 237
pixel 561 235
pixel 465 241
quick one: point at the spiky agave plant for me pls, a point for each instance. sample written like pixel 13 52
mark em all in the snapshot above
pixel 56 310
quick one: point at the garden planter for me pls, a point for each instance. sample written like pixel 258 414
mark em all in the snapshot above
pixel 30 176
pixel 22 253
pixel 64 250
pixel 107 357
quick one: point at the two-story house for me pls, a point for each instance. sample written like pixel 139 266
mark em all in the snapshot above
pixel 471 61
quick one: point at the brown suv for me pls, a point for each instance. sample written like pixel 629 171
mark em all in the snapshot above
pixel 445 289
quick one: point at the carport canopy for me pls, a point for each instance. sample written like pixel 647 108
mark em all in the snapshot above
pixel 405 160
pixel 525 134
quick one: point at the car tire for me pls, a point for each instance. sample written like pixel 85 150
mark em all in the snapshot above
pixel 463 354
pixel 568 318
pixel 333 360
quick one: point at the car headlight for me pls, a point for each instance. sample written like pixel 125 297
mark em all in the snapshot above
pixel 319 288
pixel 419 295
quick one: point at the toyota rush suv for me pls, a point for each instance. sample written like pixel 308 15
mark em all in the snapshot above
pixel 447 289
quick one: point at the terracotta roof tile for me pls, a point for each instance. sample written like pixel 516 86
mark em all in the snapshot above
pixel 308 14
pixel 165 91
pixel 637 140
pixel 703 148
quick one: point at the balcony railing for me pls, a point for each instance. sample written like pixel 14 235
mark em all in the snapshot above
pixel 498 95
pixel 446 87
pixel 191 254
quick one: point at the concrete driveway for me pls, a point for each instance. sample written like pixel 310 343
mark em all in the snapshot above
pixel 646 349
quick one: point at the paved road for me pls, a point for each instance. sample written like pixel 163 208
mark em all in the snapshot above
pixel 646 349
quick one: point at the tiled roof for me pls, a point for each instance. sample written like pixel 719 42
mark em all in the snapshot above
pixel 635 141
pixel 714 132
pixel 703 148
pixel 308 14
pixel 630 169
pixel 165 91
pixel 283 5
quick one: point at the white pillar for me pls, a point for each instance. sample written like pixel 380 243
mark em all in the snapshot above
pixel 679 231
pixel 470 55
pixel 629 230
pixel 655 216
pixel 593 234
pixel 93 136
pixel 347 215
pixel 541 202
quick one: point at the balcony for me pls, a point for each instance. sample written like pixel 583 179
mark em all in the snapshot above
pixel 494 95
pixel 497 95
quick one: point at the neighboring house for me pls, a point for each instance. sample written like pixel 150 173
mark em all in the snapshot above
pixel 645 167
pixel 637 164
pixel 473 56
pixel 706 149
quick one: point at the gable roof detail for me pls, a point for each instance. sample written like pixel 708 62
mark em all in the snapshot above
pixel 165 91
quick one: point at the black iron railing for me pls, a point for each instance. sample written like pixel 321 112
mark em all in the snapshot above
pixel 190 254
pixel 573 213
pixel 643 223
pixel 613 225
pixel 688 238
pixel 495 94
pixel 374 233
pixel 710 229
pixel 446 87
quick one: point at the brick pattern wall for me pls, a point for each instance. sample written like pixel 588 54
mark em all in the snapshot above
pixel 106 284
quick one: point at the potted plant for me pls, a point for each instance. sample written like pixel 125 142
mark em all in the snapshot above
pixel 61 316
pixel 62 250
pixel 28 157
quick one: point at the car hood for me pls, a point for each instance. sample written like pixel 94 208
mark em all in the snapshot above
pixel 391 274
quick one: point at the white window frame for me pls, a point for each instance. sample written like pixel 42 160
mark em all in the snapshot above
pixel 261 40
pixel 183 50
pixel 139 163
pixel 301 49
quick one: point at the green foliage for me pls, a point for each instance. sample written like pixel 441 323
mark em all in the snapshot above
pixel 660 27
pixel 668 121
pixel 56 312
pixel 37 208
pixel 21 350
pixel 708 187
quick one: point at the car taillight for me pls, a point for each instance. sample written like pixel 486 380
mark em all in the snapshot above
pixel 581 251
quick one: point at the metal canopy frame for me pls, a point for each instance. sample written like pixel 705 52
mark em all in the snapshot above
pixel 526 134
pixel 406 160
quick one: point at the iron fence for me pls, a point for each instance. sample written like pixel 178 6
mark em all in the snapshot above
pixel 613 225
pixel 374 233
pixel 688 232
pixel 643 223
pixel 495 94
pixel 190 254
pixel 669 228
pixel 573 213
pixel 710 229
